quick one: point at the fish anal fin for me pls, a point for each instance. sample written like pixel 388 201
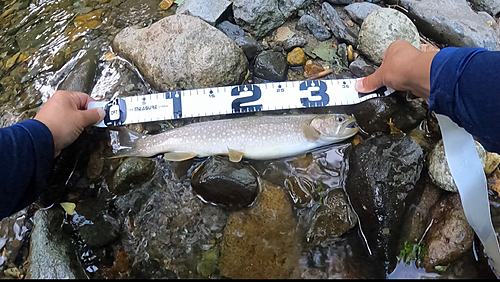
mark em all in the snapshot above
pixel 310 132
pixel 234 156
pixel 178 156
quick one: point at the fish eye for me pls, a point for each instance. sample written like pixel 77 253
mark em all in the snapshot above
pixel 340 119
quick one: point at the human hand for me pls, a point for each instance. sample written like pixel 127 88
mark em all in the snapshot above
pixel 66 115
pixel 404 68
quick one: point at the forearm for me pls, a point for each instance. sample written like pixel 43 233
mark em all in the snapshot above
pixel 465 86
pixel 26 161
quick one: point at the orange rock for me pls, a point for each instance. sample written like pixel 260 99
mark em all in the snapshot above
pixel 312 69
pixel 296 57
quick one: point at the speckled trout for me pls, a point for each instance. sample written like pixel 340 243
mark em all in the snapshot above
pixel 255 137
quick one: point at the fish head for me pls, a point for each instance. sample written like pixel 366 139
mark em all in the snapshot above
pixel 335 127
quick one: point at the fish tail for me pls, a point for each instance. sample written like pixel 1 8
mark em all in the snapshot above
pixel 126 143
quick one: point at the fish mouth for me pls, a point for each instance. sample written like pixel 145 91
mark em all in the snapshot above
pixel 352 125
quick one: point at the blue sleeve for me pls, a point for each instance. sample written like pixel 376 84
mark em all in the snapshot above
pixel 465 86
pixel 26 161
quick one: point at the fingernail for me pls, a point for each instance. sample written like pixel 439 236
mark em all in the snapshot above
pixel 359 84
pixel 101 113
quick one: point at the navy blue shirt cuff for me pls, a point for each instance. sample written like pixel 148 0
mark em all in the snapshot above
pixel 27 160
pixel 465 86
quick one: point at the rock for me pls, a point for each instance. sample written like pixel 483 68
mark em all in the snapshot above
pixel 81 78
pixel 450 234
pixel 52 254
pixel 438 166
pixel 207 10
pixel 183 52
pixel 360 10
pixel 263 241
pixel 382 171
pixel 381 28
pixel 177 225
pixel 451 22
pixel 225 183
pixel 249 46
pixel 271 65
pixel 131 173
pixel 132 12
pixel 257 17
pixel 374 114
pixel 339 30
pixel 319 31
pixel 288 7
pixel 339 2
pixel 296 57
pixel 360 68
pixel 293 42
pixel 332 219
pixel 13 231
pixel 492 7
pixel 231 30
pixel 492 162
pixel 102 228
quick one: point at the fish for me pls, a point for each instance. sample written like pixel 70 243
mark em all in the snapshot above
pixel 261 137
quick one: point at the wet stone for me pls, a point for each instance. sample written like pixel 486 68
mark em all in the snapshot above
pixel 132 172
pixel 101 228
pixel 270 65
pixel 222 182
pixel 333 218
pixel 262 242
pixel 383 169
pixel 374 114
pixel 450 234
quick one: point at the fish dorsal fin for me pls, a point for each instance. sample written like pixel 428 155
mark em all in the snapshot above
pixel 234 156
pixel 178 156
pixel 311 133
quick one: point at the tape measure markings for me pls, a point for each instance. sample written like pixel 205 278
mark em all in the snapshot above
pixel 232 100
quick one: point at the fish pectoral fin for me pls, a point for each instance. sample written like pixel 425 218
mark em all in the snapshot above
pixel 234 156
pixel 178 156
pixel 310 132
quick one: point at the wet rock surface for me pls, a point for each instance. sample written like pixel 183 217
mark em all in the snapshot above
pixel 221 182
pixel 377 192
pixel 257 245
pixel 449 235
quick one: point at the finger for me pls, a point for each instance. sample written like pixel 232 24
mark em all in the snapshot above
pixel 81 99
pixel 92 116
pixel 369 83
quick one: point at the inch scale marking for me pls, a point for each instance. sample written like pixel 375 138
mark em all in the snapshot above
pixel 232 100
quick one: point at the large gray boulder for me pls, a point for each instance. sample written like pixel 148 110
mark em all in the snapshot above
pixel 182 52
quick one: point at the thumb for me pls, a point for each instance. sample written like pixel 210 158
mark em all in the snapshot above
pixel 369 83
pixel 92 116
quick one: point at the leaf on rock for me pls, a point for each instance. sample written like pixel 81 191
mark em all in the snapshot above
pixel 325 51
pixel 68 207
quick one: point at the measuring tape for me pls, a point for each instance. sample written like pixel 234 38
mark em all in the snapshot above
pixel 232 100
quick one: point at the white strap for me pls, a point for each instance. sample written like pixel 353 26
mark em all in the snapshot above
pixel 467 171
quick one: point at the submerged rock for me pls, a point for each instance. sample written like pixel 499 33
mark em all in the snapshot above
pixel 222 182
pixel 52 254
pixel 263 241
